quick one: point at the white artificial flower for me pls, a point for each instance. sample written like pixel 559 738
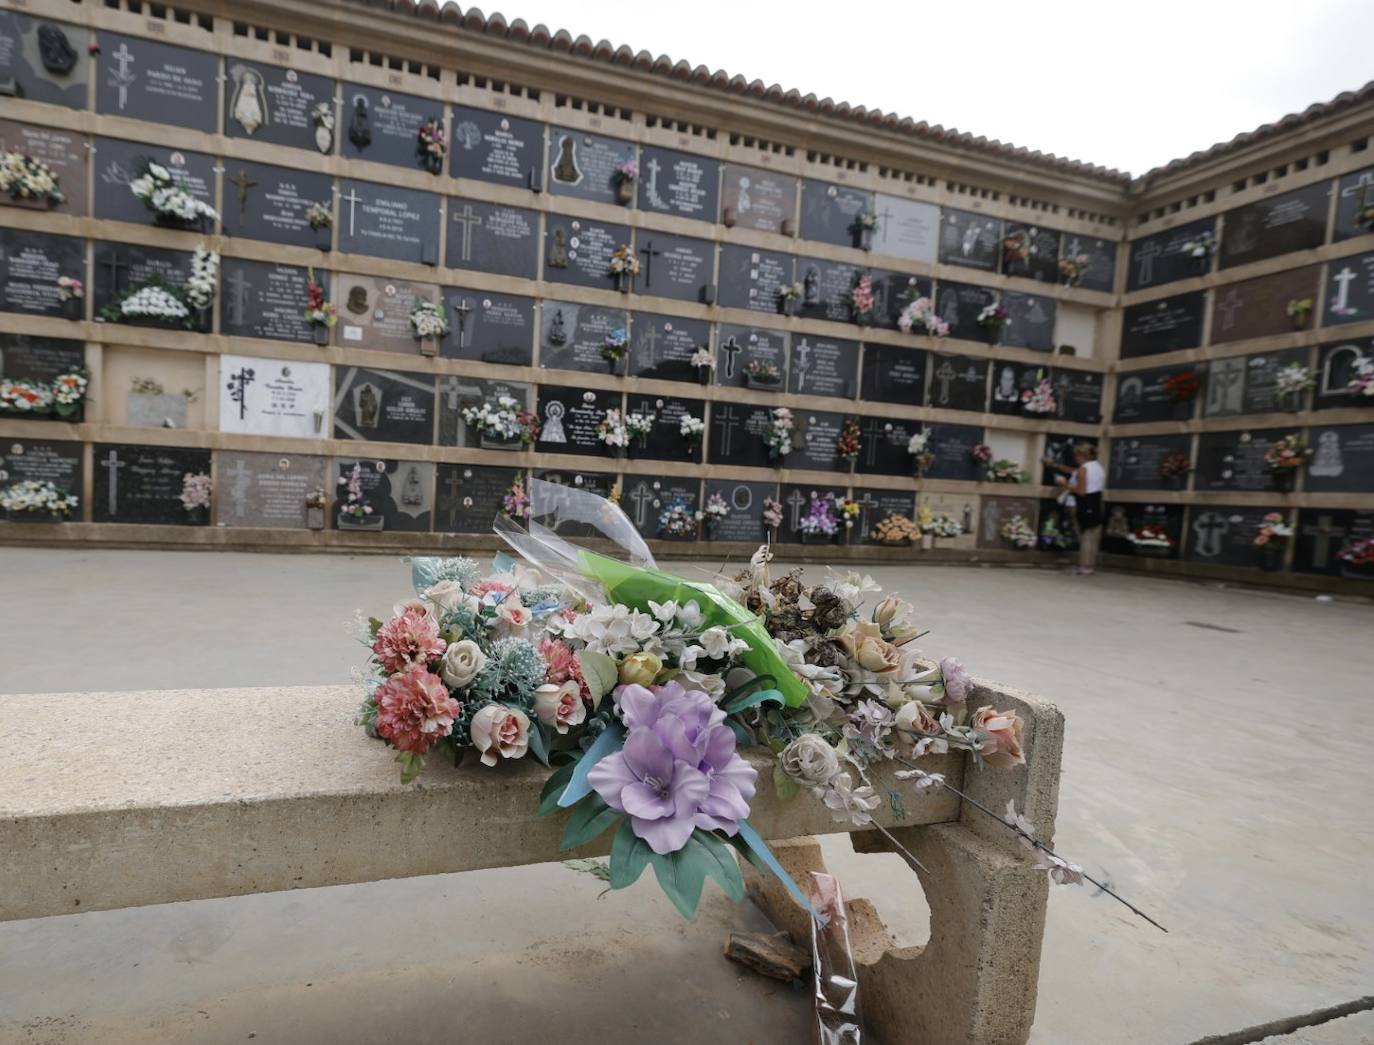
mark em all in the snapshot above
pixel 664 611
pixel 849 803
pixel 463 661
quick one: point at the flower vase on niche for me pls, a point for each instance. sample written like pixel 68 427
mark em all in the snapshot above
pixel 927 541
pixel 321 333
pixel 1271 559
pixel 1283 480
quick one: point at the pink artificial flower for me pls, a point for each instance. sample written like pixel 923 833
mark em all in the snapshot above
pixel 514 614
pixel 415 711
pixel 562 666
pixel 410 640
pixel 500 732
pixel 1002 737
pixel 560 706
pixel 485 587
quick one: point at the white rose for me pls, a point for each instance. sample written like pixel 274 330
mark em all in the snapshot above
pixel 446 596
pixel 810 761
pixel 463 661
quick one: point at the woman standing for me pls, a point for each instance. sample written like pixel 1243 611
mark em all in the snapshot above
pixel 1085 483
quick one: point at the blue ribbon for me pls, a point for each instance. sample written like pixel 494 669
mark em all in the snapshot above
pixel 612 739
pixel 755 841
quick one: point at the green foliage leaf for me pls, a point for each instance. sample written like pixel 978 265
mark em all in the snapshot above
pixel 630 854
pixel 600 673
pixel 553 788
pixel 539 741
pixel 596 868
pixel 589 818
pixel 374 626
pixel 411 764
pixel 681 878
pixel 783 784
pixel 718 862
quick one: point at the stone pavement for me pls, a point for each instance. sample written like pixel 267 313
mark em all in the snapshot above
pixel 1215 768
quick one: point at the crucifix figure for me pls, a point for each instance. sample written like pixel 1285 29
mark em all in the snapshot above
pixel 866 504
pixel 1343 279
pixel 641 495
pixel 796 500
pixel 353 200
pixel 1228 307
pixel 462 309
pixel 731 348
pixel 1209 528
pixel 470 220
pixel 945 375
pixel 1326 533
pixel 649 339
pixel 725 419
pixel 238 299
pixel 112 464
pixel 122 77
pixel 238 389
pixel 454 484
pixel 114 266
pixel 651 185
pixel 1145 263
pixel 649 254
pixel 801 353
pixel 243 183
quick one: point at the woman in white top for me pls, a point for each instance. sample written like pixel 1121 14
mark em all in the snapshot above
pixel 1085 482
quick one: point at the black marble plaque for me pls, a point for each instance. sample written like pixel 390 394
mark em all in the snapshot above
pixel 662 346
pixel 1277 225
pixel 823 366
pixel 892 292
pixel 745 501
pixel 746 357
pixel 117 163
pixel 488 327
pixel 153 81
pixel 796 499
pixel 1042 261
pixel 877 505
pixel 584 165
pixel 270 203
pixel 578 250
pixel 384 126
pixel 546 509
pixel 1032 321
pixel 569 418
pixel 1164 325
pixel 1342 459
pixel 953 446
pixel 893 374
pixel 386 221
pixel 1321 535
pixel 400 494
pixel 266 490
pixel 117 267
pixel 736 435
pixel 1101 257
pixel 1009 381
pixel 830 213
pixel 676 267
pixel 23 40
pixel 827 289
pixel 1164 257
pixel 970 240
pixel 958 383
pixel 31 263
pixel 751 198
pixel 750 278
pixel 496 148
pixel 1079 395
pixel 573 335
pixel 1135 461
pixel 665 442
pixel 959 305
pixel 456 393
pixel 647 497
pixel 1234 460
pixel 1060 448
pixel 1356 191
pixel 1349 290
pixel 492 237
pixel 30 358
pixel 266 103
pixel 383 406
pixel 1124 519
pixel 678 183
pixel 41 461
pixel 470 496
pixel 262 299
pixel 883 445
pixel 142 484
pixel 1338 364
pixel 1141 396
pixel 814 442
pixel 1224 535
pixel 1246 384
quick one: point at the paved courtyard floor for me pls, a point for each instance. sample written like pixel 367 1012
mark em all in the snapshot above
pixel 1216 769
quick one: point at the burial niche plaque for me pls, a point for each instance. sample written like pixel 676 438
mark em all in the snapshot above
pixel 1256 307
pixel 143 484
pixel 1342 459
pixel 273 397
pixel 492 237
pixel 384 126
pixel 678 183
pixel 1177 253
pixel 1032 321
pixel 736 435
pixel 43 60
pixel 959 305
pixel 953 446
pixel 958 383
pixel 647 497
pixel 584 165
pixel 266 103
pixel 458 393
pixel 1234 460
pixel 883 445
pixel 266 490
pixel 1100 255
pixel 496 148
pixel 814 442
pixel 118 163
pixel 892 292
pixel 675 267
pixel 62 151
pixel 827 289
pixel 751 278
pixel 1321 535
pixel 42 461
pixel 665 441
pixel 1224 535
pixel 375 313
pixel 470 496
pixel 400 494
pixel 1143 395
pixel 147 80
pixel 1349 290
pixel 578 251
pixel 31 263
pixel 745 501
pixel 489 328
pixel 1277 225
pixel 970 240
pixel 1124 519
pixel 569 419
pixel 833 213
pixel 1247 384
pixel 1338 365
pixel 262 299
pixel 765 201
pixel 1031 252
pixel 751 357
pixel 662 346
pixel 573 336
pixel 1164 325
pixel 906 229
pixel 877 505
pixel 383 406
pixel 119 267
pixel 893 374
pixel 823 366
pixel 271 203
pixel 386 221
pixel 1079 395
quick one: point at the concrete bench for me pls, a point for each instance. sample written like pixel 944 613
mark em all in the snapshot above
pixel 114 800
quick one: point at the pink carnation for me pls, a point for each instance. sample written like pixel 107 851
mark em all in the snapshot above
pixel 562 666
pixel 482 588
pixel 415 711
pixel 409 640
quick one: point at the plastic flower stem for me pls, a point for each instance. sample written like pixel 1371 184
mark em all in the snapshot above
pixel 885 832
pixel 1035 842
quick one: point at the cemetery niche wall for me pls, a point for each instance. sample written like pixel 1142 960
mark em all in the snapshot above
pixel 352 300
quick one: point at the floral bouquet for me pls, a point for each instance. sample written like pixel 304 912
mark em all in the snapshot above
pixel 778 435
pixel 505 420
pixel 942 526
pixel 692 429
pixel 428 319
pixel 159 192
pixel 615 345
pixel 849 444
pixel 1072 267
pixel 1149 539
pixel 1299 311
pixel 1200 247
pixel 319 310
pixel 1287 454
pixel 24 178
pixel 1017 530
pixel 821 519
pixel 866 221
pixel 715 510
pixel 624 262
pixel 772 514
pixel 1362 384
pixel 1359 553
pixel 1175 467
pixel 677 521
pixel 993 318
pixel 62 396
pixel 1040 400
pixel 1053 536
pixel 789 294
pixel 762 372
pixel 639 424
pixel 982 453
pixel 1016 247
pixel 850 511
pixel 861 300
pixel 613 432
pixel 1292 380
pixel 195 491
pixel 515 502
pixel 1272 533
pixel 894 529
pixel 704 362
pixel 1182 386
pixel 200 287
pixel 69 288
pixel 319 216
pixel 918 446
pixel 69 392
pixel 37 497
pixel 356 506
pixel 1004 471
pixel 626 170
pixel 430 144
pixel 920 314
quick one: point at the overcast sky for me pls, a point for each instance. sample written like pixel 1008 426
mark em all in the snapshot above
pixel 1127 85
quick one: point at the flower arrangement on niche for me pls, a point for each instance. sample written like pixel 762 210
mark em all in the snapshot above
pixel 428 320
pixel 778 435
pixel 355 506
pixel 1292 380
pixel 1272 533
pixel 26 179
pixel 61 397
pixel 771 516
pixel 431 146
pixel 821 517
pixel 939 525
pixel 319 310
pixel 69 288
pixel 922 456
pixel 503 420
pixel 703 361
pixel 1017 532
pixel 714 512
pixel 993 319
pixel 1040 399
pixel 195 491
pixel 1358 554
pixel 692 429
pixel 623 266
pixel 34 497
pixel 1183 386
pixel 1200 247
pixel 861 300
pixel 849 445
pixel 1300 312
pixel 1174 468
pixel 1017 248
pixel 1072 268
pixel 164 303
pixel 894 529
pixel 612 432
pixel 615 346
pixel 789 297
pixel 170 203
pixel 1362 383
pixel 515 502
pixel 1151 539
pixel 625 175
pixel 677 521
pixel 920 316
pixel 319 216
pixel 760 373
pixel 1004 471
pixel 1285 458
pixel 981 453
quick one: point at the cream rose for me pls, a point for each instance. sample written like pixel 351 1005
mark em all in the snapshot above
pixel 914 718
pixel 810 761
pixel 412 604
pixel 500 732
pixel 1002 732
pixel 446 596
pixel 866 646
pixel 514 614
pixel 463 661
pixel 640 669
pixel 560 706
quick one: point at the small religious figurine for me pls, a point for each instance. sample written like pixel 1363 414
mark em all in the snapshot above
pixel 565 170
pixel 55 50
pixel 558 329
pixel 367 407
pixel 250 98
pixel 411 493
pixel 360 127
pixel 558 250
pixel 811 287
pixel 357 300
